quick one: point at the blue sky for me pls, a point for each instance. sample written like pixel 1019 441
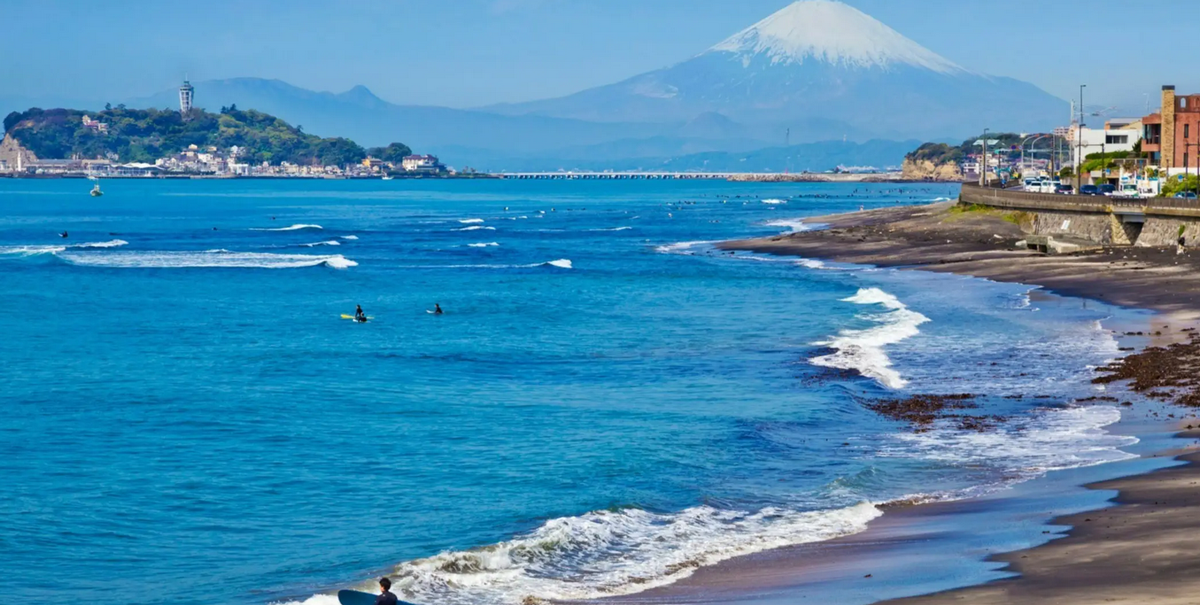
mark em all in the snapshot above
pixel 467 53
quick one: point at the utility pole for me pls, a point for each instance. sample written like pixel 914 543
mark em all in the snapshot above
pixel 1079 147
pixel 983 162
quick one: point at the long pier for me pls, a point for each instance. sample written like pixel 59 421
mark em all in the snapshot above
pixel 801 177
pixel 613 176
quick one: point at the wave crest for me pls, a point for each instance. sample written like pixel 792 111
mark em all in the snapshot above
pixel 204 259
pixel 863 350
pixel 297 227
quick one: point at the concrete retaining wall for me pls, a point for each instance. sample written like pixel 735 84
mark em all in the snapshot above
pixel 1142 222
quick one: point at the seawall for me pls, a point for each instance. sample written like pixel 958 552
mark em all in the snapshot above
pixel 1146 222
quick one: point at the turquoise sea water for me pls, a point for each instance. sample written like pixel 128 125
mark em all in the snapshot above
pixel 607 404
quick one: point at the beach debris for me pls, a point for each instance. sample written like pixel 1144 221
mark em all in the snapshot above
pixel 921 411
pixel 1168 373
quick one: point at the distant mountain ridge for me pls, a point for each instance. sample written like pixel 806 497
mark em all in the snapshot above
pixel 817 70
pixel 817 59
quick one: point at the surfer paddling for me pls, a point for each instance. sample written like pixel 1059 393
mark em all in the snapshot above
pixel 360 317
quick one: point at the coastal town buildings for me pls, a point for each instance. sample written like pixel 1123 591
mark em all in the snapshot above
pixel 421 163
pixel 1172 138
pixel 1117 135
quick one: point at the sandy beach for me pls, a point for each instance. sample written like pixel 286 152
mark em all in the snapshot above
pixel 1129 541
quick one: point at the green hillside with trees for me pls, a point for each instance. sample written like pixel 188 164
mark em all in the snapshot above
pixel 144 135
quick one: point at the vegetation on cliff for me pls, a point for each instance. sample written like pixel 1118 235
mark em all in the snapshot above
pixel 936 153
pixel 392 153
pixel 144 135
pixel 1002 143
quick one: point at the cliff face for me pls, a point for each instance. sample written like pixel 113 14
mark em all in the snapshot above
pixel 10 149
pixel 926 170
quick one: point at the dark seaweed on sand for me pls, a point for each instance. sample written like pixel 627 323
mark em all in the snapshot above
pixel 1170 373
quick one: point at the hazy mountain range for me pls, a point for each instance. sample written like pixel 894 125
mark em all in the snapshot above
pixel 818 70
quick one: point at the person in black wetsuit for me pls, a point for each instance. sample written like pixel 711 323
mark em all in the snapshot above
pixel 385 593
pixel 437 309
pixel 359 316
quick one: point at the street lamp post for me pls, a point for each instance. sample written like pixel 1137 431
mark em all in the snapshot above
pixel 1079 146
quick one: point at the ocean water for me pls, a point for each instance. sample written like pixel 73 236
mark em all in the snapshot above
pixel 607 404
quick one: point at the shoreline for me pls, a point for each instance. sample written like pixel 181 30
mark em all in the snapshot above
pixel 1133 526
pixel 980 244
pixel 1119 534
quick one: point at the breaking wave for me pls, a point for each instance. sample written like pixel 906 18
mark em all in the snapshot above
pixel 794 225
pixel 560 264
pixel 774 201
pixel 614 552
pixel 483 245
pixel 291 228
pixel 331 242
pixel 476 228
pixel 613 229
pixel 863 350
pixel 349 237
pixel 36 250
pixel 204 259
pixel 471 221
pixel 680 247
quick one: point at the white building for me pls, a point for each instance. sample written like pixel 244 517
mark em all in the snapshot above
pixel 421 163
pixel 1087 141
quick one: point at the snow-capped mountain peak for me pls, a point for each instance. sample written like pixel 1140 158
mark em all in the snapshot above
pixel 834 33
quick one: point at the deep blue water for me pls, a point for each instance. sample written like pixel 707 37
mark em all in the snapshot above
pixel 601 409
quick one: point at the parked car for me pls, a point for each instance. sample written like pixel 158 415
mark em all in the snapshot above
pixel 1128 190
pixel 1106 189
pixel 1186 195
pixel 1089 190
pixel 1064 189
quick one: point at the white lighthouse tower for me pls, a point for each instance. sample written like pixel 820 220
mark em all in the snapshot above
pixel 186 94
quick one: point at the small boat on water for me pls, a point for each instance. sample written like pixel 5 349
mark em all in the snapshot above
pixel 387 177
pixel 96 191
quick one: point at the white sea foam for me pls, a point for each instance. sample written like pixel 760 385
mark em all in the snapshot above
pixel 608 553
pixel 863 350
pixel 680 247
pixel 811 264
pixel 331 242
pixel 35 250
pixel 471 221
pixel 795 225
pixel 613 229
pixel 350 237
pixel 476 228
pixel 1051 439
pixel 292 228
pixel 560 264
pixel 774 201
pixel 483 245
pixel 115 243
pixel 208 258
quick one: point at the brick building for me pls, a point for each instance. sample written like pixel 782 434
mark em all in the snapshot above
pixel 1172 136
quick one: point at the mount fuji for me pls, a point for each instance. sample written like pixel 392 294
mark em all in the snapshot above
pixel 819 68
